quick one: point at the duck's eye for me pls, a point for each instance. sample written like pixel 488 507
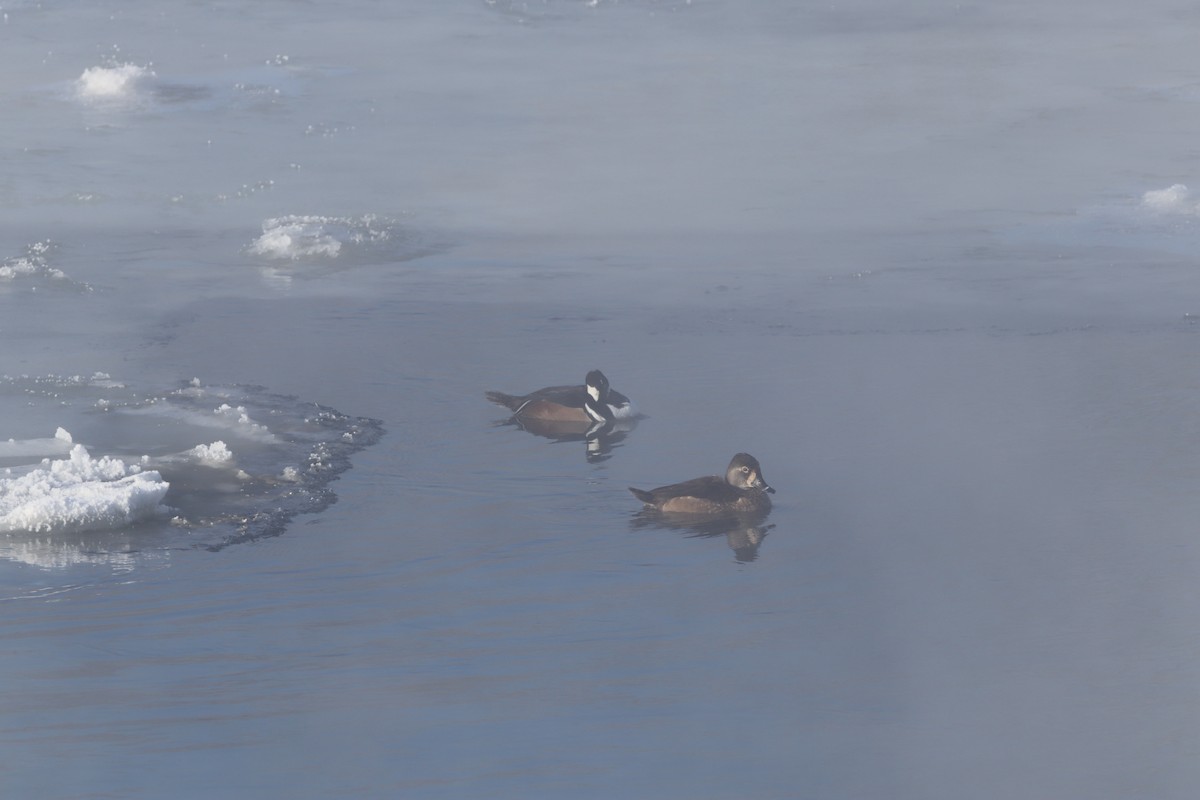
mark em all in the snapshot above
pixel 746 470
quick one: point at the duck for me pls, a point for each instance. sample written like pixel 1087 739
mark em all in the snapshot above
pixel 593 402
pixel 741 491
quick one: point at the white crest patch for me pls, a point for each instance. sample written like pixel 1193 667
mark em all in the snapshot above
pixel 594 392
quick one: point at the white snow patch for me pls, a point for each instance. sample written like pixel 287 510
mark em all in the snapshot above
pixel 111 83
pixel 80 493
pixel 1175 199
pixel 215 454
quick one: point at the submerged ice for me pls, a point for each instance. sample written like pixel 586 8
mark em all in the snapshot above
pixel 60 443
pixel 33 270
pixel 162 480
pixel 297 237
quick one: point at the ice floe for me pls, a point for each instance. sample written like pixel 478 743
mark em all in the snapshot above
pixel 128 463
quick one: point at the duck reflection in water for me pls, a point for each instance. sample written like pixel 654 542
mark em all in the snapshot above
pixel 600 438
pixel 592 412
pixel 734 506
pixel 743 535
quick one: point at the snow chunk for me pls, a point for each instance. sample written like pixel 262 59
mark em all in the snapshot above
pixel 1175 199
pixel 111 83
pixel 215 454
pixel 80 493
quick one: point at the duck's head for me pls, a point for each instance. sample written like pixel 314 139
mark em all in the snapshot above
pixel 745 473
pixel 597 390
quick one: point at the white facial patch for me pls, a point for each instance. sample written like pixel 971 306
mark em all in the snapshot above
pixel 594 392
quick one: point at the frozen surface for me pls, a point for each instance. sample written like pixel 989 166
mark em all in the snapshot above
pixel 933 264
pixel 151 480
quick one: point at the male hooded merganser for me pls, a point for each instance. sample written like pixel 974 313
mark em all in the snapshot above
pixel 741 491
pixel 594 401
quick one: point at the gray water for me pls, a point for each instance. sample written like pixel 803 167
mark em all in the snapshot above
pixel 926 263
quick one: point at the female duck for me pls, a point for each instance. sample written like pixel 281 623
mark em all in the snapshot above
pixel 741 491
pixel 594 401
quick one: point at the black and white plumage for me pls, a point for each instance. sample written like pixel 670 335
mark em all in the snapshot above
pixel 593 402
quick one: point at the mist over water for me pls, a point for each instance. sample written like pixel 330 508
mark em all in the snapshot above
pixel 932 264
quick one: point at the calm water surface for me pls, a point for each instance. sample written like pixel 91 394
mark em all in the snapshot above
pixel 933 266
pixel 979 536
